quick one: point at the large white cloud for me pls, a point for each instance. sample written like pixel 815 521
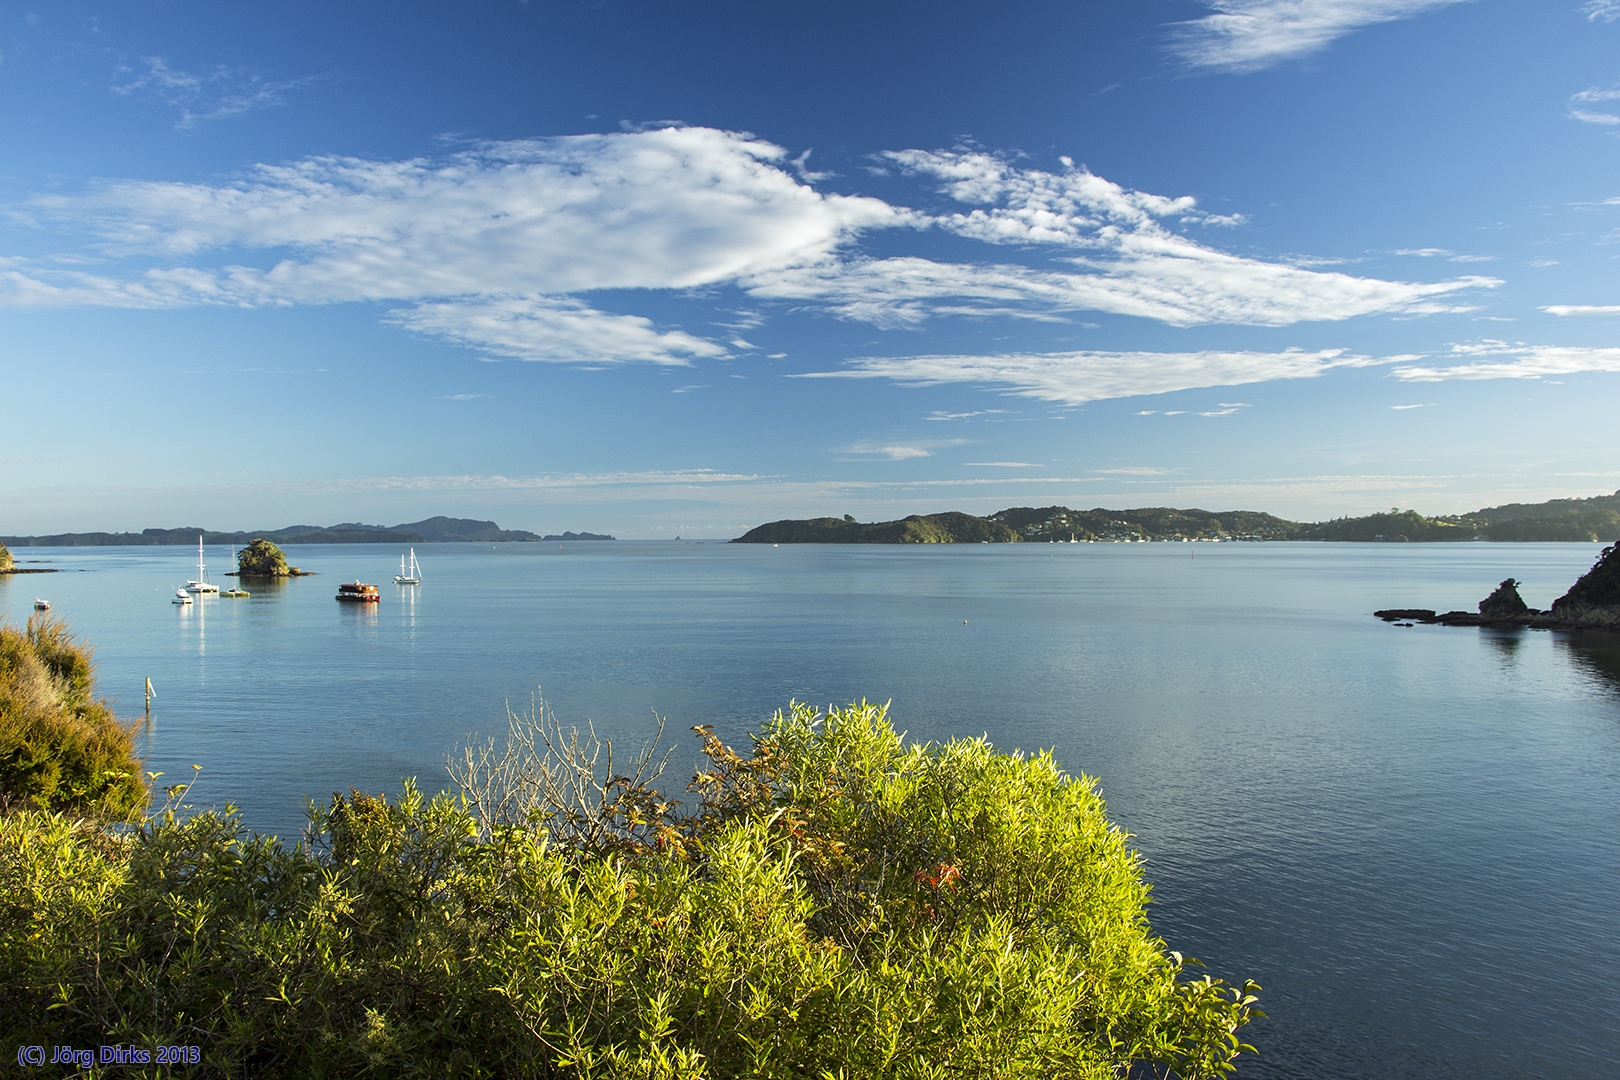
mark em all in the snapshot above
pixel 1074 378
pixel 494 247
pixel 1248 35
pixel 1128 262
pixel 1501 360
pixel 670 208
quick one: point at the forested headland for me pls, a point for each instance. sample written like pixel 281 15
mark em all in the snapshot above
pixel 1578 520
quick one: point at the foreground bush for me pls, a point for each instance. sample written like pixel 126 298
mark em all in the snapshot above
pixel 838 904
pixel 60 747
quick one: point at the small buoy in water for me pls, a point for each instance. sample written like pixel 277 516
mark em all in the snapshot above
pixel 964 622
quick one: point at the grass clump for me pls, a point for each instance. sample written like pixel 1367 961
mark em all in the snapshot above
pixel 61 748
pixel 837 902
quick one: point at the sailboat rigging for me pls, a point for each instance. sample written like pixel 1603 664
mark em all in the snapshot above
pixel 408 574
pixel 202 584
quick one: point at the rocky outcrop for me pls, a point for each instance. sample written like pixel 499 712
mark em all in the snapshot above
pixel 1594 600
pixel 1505 602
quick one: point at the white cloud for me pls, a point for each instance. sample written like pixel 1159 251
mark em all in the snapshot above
pixel 1403 408
pixel 1592 95
pixel 1074 378
pixel 492 247
pixel 1004 464
pixel 1131 264
pixel 1168 279
pixel 561 330
pixel 1582 309
pixel 666 209
pixel 1501 360
pixel 1248 35
pixel 939 414
pixel 1602 10
pixel 215 95
pixel 889 451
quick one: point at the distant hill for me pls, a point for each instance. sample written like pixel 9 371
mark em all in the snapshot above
pixel 1588 520
pixel 1585 520
pixel 579 536
pixel 951 528
pixel 1149 523
pixel 433 530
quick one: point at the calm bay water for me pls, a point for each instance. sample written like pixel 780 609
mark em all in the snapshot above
pixel 1410 837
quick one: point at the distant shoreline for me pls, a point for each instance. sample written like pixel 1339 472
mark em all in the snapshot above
pixel 435 530
pixel 1594 520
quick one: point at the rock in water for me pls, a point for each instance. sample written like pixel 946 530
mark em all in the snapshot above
pixel 1504 603
pixel 1594 600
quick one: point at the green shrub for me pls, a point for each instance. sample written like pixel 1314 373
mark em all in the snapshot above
pixel 60 747
pixel 261 558
pixel 6 562
pixel 838 904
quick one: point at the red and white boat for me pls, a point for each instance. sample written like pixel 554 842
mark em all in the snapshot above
pixel 356 592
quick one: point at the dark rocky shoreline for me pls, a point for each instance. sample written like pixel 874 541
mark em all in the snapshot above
pixel 1592 603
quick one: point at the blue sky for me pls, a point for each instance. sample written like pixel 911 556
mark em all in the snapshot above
pixel 677 269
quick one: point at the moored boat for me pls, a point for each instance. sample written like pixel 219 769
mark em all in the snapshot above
pixel 408 575
pixel 202 585
pixel 358 592
pixel 41 605
pixel 181 597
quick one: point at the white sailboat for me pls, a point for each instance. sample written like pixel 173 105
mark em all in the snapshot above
pixel 408 574
pixel 201 585
pixel 235 590
pixel 181 597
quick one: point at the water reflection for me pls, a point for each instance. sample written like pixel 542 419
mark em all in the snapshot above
pixel 1505 644
pixel 1595 655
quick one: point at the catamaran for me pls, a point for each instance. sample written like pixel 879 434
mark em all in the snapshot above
pixel 408 575
pixel 202 584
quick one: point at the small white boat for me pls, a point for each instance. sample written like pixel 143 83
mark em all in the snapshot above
pixel 202 584
pixel 408 574
pixel 41 605
pixel 181 597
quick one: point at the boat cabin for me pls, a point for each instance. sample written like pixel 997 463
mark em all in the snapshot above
pixel 357 592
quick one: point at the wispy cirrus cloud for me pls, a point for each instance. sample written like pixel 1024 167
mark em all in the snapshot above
pixel 1504 360
pixel 1250 35
pixel 1582 309
pixel 216 94
pixel 1074 378
pixel 558 329
pixel 889 451
pixel 1602 10
pixel 1128 261
pixel 1580 106
pixel 496 247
